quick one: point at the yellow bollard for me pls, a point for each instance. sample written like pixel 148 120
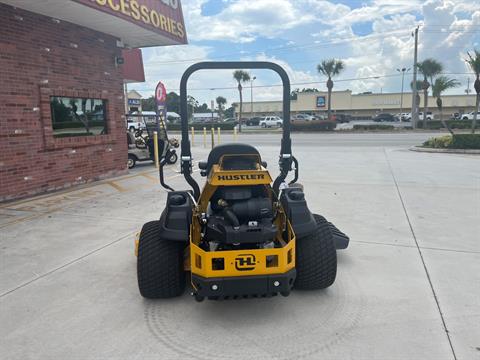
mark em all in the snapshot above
pixel 155 148
pixel 218 136
pixel 212 131
pixel 235 133
pixel 193 136
pixel 205 137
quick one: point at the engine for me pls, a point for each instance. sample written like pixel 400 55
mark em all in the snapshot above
pixel 240 217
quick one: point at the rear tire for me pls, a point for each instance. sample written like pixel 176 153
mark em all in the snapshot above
pixel 316 261
pixel 160 270
pixel 172 159
pixel 131 162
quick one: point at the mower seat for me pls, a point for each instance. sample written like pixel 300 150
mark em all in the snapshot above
pixel 225 149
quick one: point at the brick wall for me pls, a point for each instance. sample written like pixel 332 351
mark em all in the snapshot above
pixel 41 57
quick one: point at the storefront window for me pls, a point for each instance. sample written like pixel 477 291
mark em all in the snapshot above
pixel 78 116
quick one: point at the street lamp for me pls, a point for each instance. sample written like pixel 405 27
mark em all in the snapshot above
pixel 403 71
pixel 251 95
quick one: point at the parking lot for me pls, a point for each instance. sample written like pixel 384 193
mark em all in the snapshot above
pixel 408 287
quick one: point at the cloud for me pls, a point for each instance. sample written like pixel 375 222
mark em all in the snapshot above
pixel 448 30
pixel 244 20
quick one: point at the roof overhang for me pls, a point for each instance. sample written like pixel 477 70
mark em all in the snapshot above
pixel 137 23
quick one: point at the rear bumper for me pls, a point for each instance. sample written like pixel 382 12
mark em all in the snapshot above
pixel 244 286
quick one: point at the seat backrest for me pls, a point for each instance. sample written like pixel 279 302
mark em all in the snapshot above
pixel 228 149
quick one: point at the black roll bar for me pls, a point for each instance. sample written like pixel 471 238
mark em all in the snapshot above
pixel 285 161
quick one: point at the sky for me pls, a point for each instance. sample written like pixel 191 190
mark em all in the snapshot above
pixel 372 37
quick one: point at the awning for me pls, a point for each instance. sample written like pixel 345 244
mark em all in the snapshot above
pixel 137 23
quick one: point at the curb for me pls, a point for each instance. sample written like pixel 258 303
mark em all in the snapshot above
pixel 445 151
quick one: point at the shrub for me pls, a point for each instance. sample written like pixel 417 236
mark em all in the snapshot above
pixel 373 127
pixel 457 141
pixel 454 124
pixel 441 142
pixel 465 141
pixel 313 126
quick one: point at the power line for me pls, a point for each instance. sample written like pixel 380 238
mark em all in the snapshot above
pixel 338 41
pixel 315 82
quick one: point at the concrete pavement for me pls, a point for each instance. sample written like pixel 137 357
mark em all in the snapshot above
pixel 407 288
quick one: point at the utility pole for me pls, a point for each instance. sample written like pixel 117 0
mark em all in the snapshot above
pixel 415 90
pixel 251 96
pixel 403 70
pixel 468 87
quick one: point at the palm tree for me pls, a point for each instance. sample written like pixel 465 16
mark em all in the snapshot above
pixel 221 101
pixel 429 68
pixel 474 62
pixel 330 68
pixel 441 84
pixel 241 77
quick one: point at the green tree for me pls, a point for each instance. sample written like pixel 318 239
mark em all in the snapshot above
pixel 229 113
pixel 221 101
pixel 330 68
pixel 148 104
pixel 241 77
pixel 429 68
pixel 173 102
pixel 441 84
pixel 474 62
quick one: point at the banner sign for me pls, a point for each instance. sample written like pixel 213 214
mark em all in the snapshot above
pixel 161 103
pixel 320 101
pixel 164 17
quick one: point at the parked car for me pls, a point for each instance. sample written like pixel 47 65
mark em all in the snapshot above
pixel 304 117
pixel 254 121
pixel 469 116
pixel 341 118
pixel 230 121
pixel 429 116
pixel 271 121
pixel 384 117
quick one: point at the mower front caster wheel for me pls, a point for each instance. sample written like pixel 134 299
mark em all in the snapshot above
pixel 159 264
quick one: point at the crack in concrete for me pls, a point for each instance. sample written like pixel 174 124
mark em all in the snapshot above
pixel 427 273
pixel 414 247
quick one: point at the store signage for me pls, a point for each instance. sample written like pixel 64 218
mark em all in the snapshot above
pixel 134 101
pixel 320 101
pixel 161 16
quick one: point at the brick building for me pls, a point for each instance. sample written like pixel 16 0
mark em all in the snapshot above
pixel 62 75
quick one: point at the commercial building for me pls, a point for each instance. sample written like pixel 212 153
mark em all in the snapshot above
pixel 360 106
pixel 63 64
pixel 134 102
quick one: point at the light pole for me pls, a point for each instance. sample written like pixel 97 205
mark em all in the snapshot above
pixel 403 71
pixel 251 96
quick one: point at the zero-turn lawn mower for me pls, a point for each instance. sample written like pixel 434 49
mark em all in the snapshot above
pixel 243 235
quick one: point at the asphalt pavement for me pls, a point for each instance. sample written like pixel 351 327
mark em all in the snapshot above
pixel 408 287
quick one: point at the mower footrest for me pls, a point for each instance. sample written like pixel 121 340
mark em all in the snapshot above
pixel 238 287
pixel 341 240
